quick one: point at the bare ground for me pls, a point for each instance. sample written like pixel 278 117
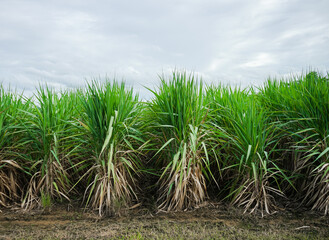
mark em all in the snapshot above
pixel 212 222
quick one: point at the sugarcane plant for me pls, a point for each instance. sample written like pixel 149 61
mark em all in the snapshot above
pixel 303 103
pixel 114 146
pixel 177 129
pixel 11 184
pixel 48 136
pixel 251 174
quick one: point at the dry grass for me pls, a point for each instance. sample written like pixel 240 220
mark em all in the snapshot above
pixel 216 222
pixel 10 187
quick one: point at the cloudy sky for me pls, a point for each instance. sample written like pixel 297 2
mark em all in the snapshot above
pixel 241 42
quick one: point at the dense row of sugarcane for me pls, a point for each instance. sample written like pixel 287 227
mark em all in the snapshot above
pixel 251 146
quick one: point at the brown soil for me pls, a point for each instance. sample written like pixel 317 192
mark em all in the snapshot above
pixel 211 222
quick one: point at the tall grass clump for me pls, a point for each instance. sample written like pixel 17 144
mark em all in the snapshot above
pixel 10 170
pixel 303 104
pixel 48 137
pixel 178 116
pixel 247 141
pixel 113 144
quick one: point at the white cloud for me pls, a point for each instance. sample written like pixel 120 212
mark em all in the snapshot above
pixel 262 59
pixel 238 42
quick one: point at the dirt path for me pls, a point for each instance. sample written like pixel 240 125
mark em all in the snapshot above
pixel 214 222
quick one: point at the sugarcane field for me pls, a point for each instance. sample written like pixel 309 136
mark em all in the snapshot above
pixel 195 161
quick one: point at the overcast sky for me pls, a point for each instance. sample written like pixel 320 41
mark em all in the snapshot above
pixel 242 42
